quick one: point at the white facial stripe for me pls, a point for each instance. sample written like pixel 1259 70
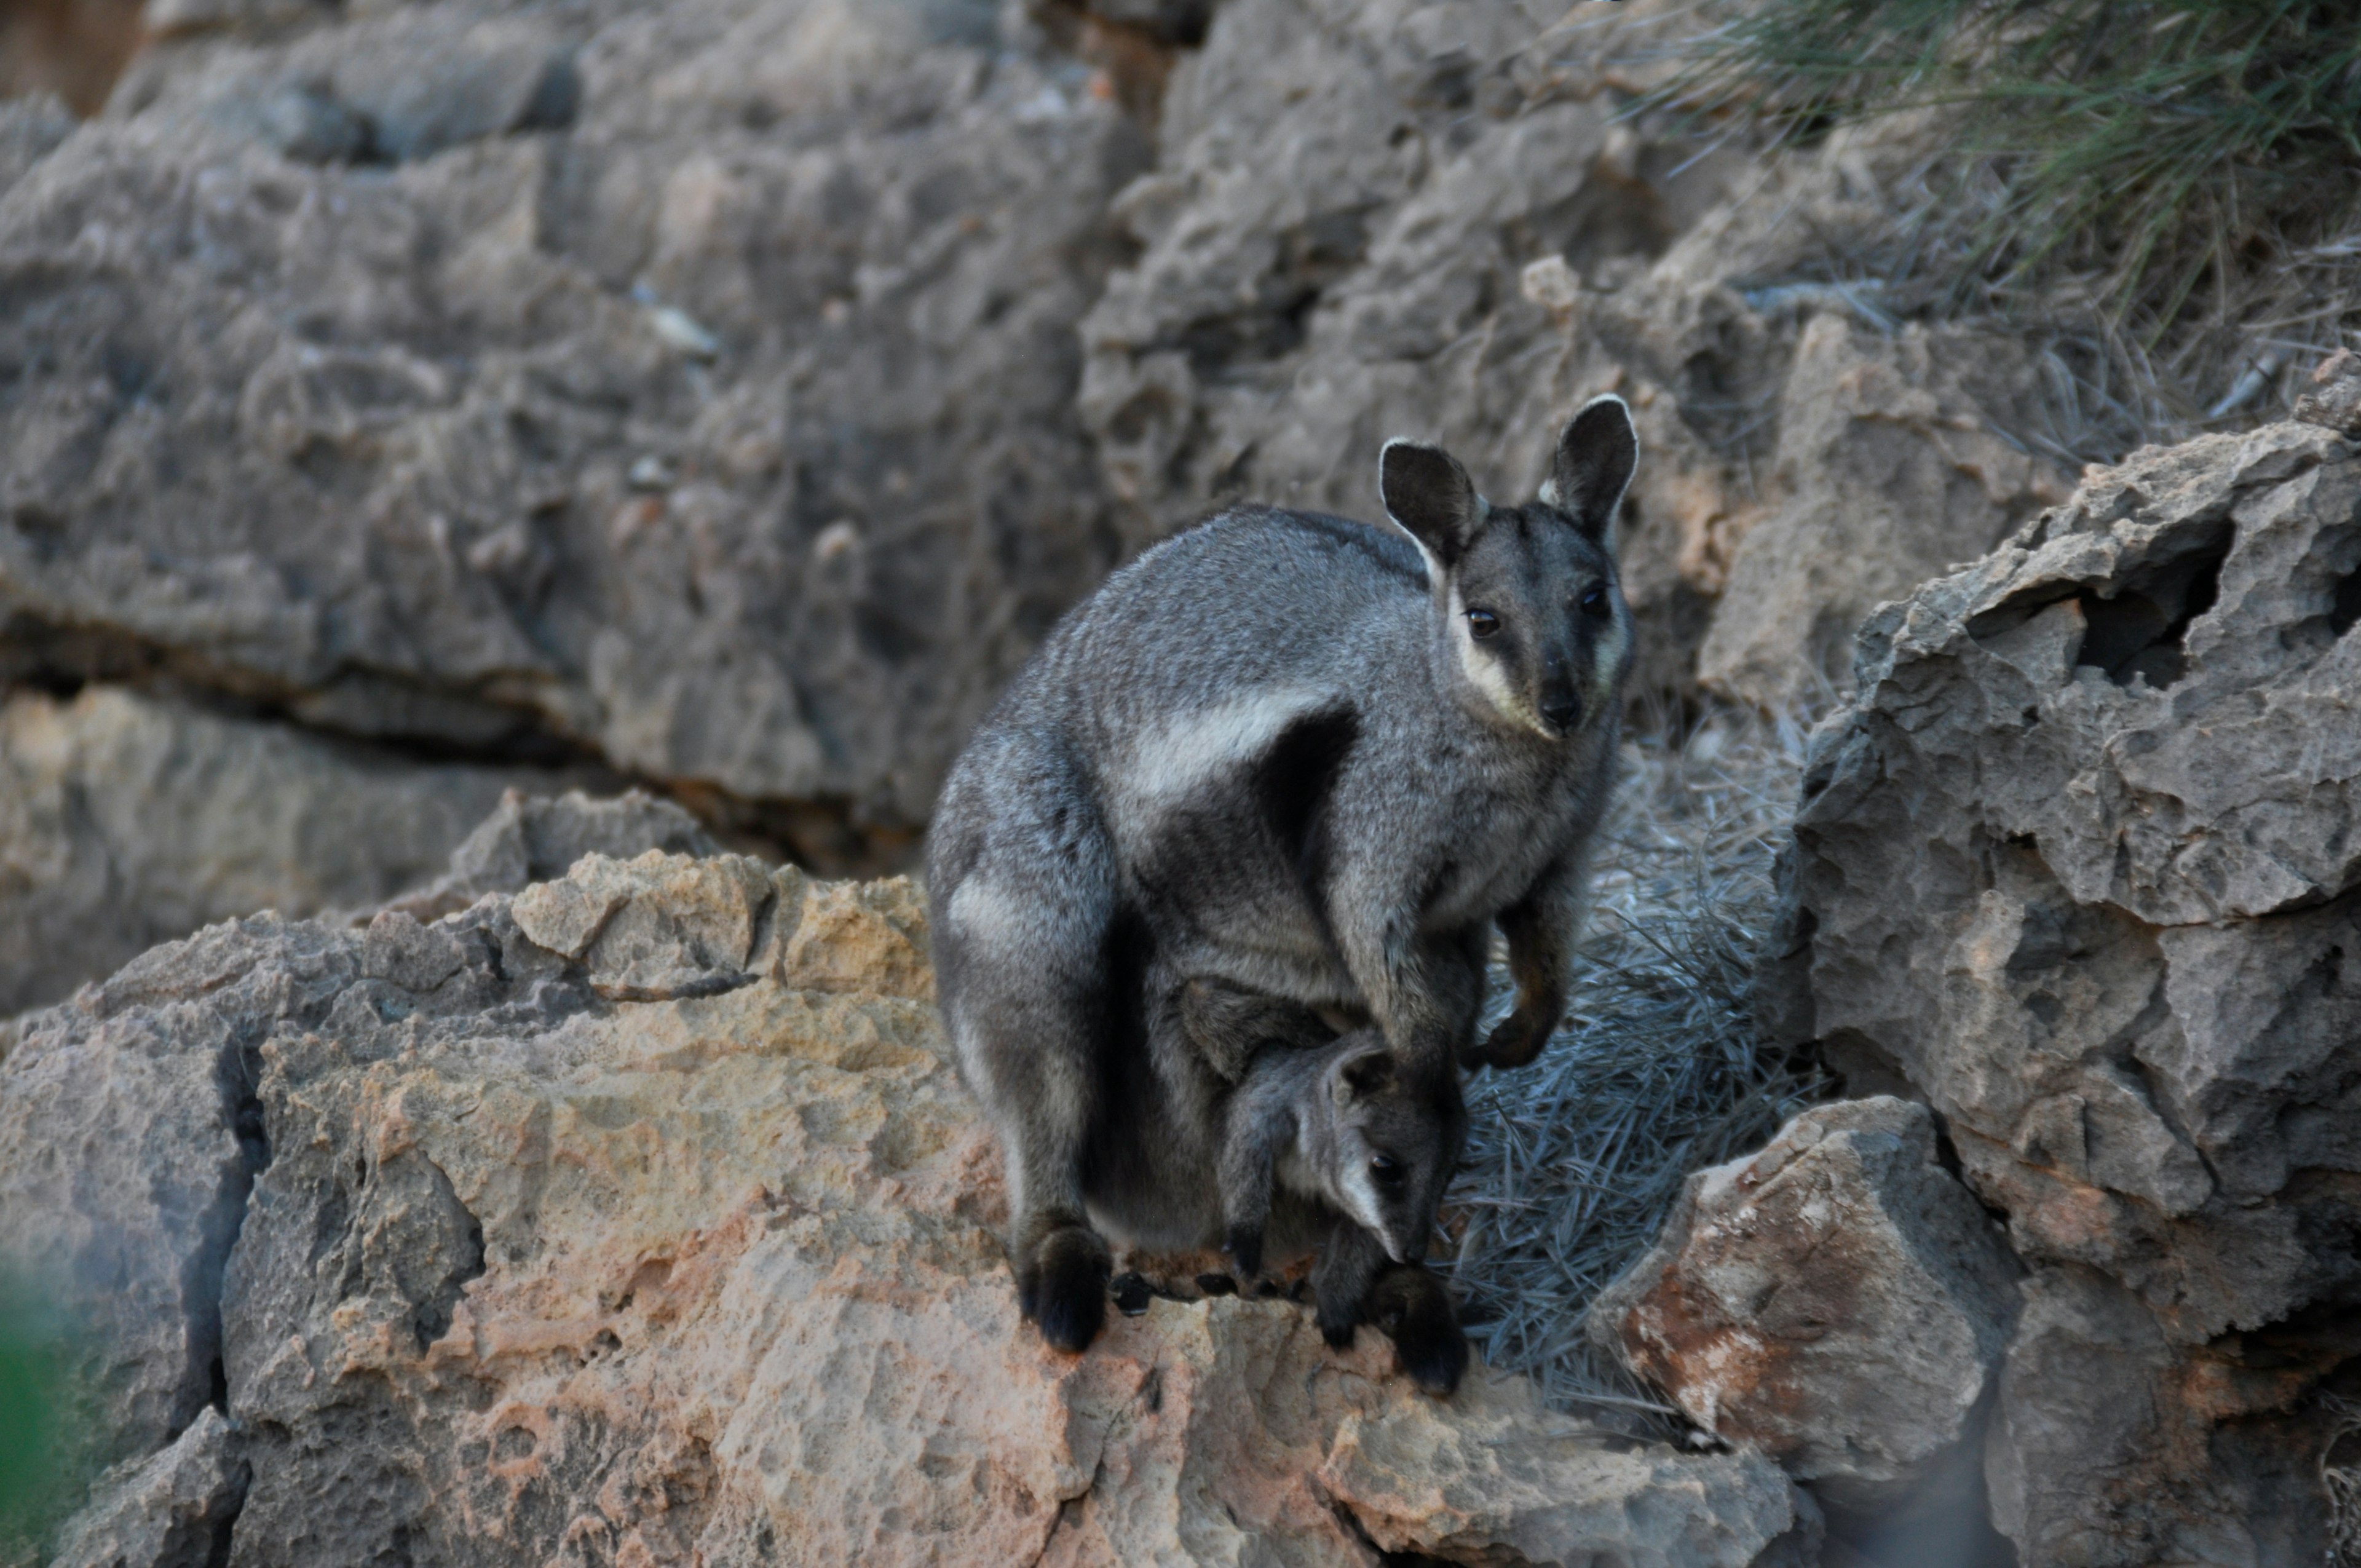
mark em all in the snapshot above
pixel 1360 1196
pixel 1613 639
pixel 1173 761
pixel 1486 674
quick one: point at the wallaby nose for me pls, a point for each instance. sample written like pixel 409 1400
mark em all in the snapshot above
pixel 1561 708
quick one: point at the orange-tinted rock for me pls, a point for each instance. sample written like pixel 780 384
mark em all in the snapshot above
pixel 641 1218
pixel 1837 1301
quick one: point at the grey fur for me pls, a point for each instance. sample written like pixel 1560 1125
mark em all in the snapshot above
pixel 1271 753
pixel 1339 1126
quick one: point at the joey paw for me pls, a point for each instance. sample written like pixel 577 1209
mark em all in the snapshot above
pixel 1412 1308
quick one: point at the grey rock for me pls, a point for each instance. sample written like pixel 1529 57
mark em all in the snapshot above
pixel 2080 867
pixel 175 1510
pixel 529 839
pixel 355 439
pixel 127 820
pixel 1887 472
pixel 1436 221
pixel 431 79
pixel 308 126
pixel 127 1148
pixel 31 128
pixel 704 1277
pixel 1838 1300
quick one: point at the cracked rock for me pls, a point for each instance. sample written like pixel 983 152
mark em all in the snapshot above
pixel 177 1509
pixel 2082 868
pixel 1838 1300
pixel 127 820
pixel 536 1265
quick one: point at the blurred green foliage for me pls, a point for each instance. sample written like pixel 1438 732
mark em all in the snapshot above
pixel 2156 148
pixel 34 1400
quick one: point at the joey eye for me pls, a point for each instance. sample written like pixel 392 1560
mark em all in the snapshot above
pixel 1387 1170
pixel 1482 623
pixel 1594 599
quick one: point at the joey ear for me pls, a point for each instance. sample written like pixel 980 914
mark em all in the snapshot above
pixel 1364 1073
pixel 1596 454
pixel 1430 495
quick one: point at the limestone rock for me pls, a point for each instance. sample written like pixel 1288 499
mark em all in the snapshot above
pixel 1889 474
pixel 535 1262
pixel 127 820
pixel 2081 867
pixel 1838 1300
pixel 691 384
pixel 1436 221
pixel 530 839
pixel 175 1511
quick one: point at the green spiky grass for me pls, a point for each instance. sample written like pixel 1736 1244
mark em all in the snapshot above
pixel 2178 182
pixel 1574 1162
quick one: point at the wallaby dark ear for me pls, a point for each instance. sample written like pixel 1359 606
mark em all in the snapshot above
pixel 1429 494
pixel 1596 454
pixel 1365 1072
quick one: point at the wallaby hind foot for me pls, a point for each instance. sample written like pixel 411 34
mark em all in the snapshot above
pixel 1061 1286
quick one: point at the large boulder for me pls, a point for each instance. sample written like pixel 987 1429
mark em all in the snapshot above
pixel 641 1214
pixel 1838 1300
pixel 690 384
pixel 2082 868
pixel 127 820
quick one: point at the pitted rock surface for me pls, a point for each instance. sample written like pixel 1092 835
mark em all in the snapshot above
pixel 515 1258
pixel 692 385
pixel 1838 1300
pixel 2081 867
pixel 127 820
pixel 1439 221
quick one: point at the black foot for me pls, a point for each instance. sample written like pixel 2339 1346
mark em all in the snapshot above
pixel 1414 1310
pixel 1067 1292
pixel 1246 1248
pixel 1217 1285
pixel 1338 1335
pixel 1132 1295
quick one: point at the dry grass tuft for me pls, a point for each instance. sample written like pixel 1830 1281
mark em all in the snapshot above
pixel 2167 191
pixel 1574 1162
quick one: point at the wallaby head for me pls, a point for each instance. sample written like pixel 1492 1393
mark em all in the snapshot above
pixel 1383 1142
pixel 1527 596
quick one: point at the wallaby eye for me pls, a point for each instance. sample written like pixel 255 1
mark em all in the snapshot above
pixel 1482 623
pixel 1387 1170
pixel 1594 599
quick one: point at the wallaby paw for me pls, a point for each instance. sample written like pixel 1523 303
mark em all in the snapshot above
pixel 1338 1335
pixel 1513 1044
pixel 1065 1290
pixel 1245 1251
pixel 1412 1308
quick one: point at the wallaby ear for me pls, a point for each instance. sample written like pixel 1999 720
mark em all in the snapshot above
pixel 1430 495
pixel 1366 1072
pixel 1596 454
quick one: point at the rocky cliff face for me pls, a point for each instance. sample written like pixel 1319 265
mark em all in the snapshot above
pixel 638 1217
pixel 2080 868
pixel 730 393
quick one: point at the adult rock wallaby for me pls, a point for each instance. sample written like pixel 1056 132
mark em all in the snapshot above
pixel 1302 756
